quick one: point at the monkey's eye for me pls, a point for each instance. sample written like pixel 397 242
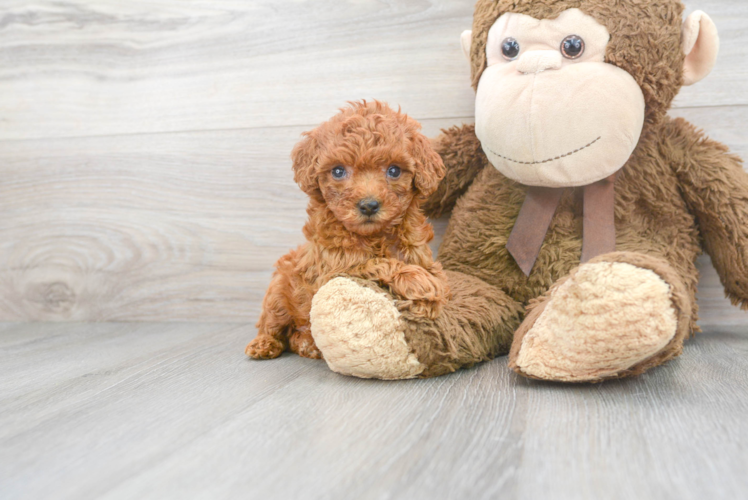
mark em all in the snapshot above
pixel 393 172
pixel 510 48
pixel 572 47
pixel 338 172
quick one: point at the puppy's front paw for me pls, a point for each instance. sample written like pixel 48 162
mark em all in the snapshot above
pixel 302 343
pixel 264 347
pixel 430 309
pixel 423 293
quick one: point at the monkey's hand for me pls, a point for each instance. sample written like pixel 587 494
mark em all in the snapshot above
pixel 463 159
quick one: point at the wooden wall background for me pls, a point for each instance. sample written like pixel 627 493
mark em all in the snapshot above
pixel 144 145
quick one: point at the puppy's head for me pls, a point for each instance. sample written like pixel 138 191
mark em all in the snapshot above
pixel 369 164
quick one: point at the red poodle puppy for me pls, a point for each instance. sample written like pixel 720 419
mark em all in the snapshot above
pixel 366 171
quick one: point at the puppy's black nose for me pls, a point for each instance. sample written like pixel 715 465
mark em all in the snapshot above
pixel 368 206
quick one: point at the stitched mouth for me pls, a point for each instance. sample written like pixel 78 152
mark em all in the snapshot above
pixel 549 159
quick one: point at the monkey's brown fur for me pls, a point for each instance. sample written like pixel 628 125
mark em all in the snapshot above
pixel 678 195
pixel 390 248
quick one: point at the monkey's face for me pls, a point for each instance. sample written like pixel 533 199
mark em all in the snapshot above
pixel 549 110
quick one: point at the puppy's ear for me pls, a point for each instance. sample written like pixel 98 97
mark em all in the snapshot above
pixel 429 165
pixel 304 157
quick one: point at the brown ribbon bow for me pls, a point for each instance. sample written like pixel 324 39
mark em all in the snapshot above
pixel 598 233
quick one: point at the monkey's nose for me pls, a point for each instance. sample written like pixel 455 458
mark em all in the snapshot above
pixel 535 61
pixel 368 206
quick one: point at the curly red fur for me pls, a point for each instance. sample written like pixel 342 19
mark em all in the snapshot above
pixel 391 246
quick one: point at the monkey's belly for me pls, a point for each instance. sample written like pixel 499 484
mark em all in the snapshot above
pixel 475 241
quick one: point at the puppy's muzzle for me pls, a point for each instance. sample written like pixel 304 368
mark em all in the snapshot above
pixel 368 206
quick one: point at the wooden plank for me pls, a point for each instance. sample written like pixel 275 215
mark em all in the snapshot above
pixel 81 68
pixel 68 372
pixel 176 411
pixel 107 67
pixel 122 228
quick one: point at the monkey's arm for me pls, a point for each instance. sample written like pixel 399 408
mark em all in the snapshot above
pixel 463 158
pixel 715 187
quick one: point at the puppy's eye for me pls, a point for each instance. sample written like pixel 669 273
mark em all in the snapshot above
pixel 338 172
pixel 393 172
pixel 572 47
pixel 510 48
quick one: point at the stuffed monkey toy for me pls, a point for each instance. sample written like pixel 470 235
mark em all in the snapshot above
pixel 578 206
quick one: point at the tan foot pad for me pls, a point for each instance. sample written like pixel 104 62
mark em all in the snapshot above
pixel 360 333
pixel 606 318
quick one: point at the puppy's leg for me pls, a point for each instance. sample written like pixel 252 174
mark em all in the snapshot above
pixel 275 320
pixel 302 343
pixel 424 291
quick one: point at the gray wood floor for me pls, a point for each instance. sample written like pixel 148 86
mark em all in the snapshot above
pixel 155 410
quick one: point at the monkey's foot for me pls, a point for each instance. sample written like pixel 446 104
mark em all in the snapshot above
pixel 360 332
pixel 617 315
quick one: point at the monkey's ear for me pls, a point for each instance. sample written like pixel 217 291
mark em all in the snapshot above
pixel 466 39
pixel 304 157
pixel 429 166
pixel 701 45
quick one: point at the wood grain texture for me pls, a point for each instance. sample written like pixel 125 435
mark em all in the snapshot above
pixel 121 411
pixel 106 67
